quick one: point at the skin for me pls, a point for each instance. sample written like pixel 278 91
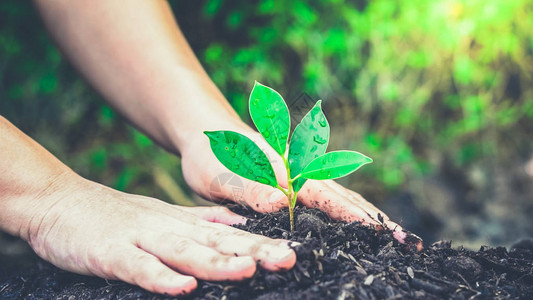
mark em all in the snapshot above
pixel 137 58
pixel 84 227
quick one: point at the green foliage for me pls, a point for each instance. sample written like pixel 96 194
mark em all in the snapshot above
pixel 422 85
pixel 305 158
pixel 271 116
pixel 334 165
pixel 303 149
pixel 421 80
pixel 242 156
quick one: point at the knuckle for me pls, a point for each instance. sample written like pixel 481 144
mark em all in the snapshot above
pixel 216 237
pixel 254 190
pixel 146 271
pixel 182 246
pixel 358 196
pixel 219 261
pixel 255 248
pixel 142 259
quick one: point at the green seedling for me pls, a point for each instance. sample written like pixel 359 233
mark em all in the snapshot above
pixel 306 157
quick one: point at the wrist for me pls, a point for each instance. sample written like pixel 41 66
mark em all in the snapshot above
pixel 23 206
pixel 181 110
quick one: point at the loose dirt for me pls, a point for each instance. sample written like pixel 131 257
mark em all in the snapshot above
pixel 336 260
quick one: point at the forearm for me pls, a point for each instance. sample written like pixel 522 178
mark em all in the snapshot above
pixel 134 54
pixel 27 172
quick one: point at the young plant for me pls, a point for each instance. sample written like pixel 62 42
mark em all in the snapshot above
pixel 306 157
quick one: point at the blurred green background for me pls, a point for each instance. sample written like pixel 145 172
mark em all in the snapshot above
pixel 439 93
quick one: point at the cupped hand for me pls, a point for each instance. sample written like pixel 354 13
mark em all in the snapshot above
pixel 91 229
pixel 201 168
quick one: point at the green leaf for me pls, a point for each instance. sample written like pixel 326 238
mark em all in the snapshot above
pixel 334 165
pixel 242 156
pixel 271 116
pixel 309 140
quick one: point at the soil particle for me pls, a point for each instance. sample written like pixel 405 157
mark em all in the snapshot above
pixel 462 266
pixel 336 260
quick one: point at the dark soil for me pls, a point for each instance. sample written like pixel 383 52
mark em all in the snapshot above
pixel 335 261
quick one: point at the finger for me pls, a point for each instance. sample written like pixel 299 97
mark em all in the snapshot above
pixel 260 197
pixel 272 254
pixel 351 206
pixel 377 215
pixel 217 214
pixel 398 232
pixel 318 194
pixel 357 200
pixel 264 198
pixel 135 266
pixel 190 257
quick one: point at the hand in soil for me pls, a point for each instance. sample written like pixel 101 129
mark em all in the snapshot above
pixel 201 169
pixel 94 230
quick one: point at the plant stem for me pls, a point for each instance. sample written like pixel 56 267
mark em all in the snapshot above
pixel 292 204
pixel 284 191
pixel 298 176
pixel 291 194
pixel 291 216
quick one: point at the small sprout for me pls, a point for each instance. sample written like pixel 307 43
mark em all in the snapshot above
pixel 306 157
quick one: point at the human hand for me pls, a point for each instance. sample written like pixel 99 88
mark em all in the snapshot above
pixel 200 168
pixel 91 229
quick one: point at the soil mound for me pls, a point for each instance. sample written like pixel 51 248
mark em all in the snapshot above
pixel 336 260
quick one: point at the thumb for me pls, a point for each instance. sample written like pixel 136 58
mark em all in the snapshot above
pixel 260 197
pixel 264 198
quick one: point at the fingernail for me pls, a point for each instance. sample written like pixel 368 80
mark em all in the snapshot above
pixel 276 196
pixel 400 236
pixel 184 281
pixel 281 254
pixel 293 244
pixel 290 244
pixel 419 246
